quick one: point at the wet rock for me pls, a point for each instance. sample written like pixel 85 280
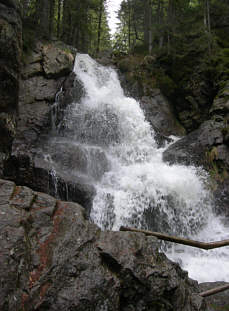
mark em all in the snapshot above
pixel 206 147
pixel 38 89
pixel 42 176
pixel 137 81
pixel 44 71
pixel 192 149
pixel 159 113
pixel 90 161
pixel 52 258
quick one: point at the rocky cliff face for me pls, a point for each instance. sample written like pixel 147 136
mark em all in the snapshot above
pixel 10 61
pixel 52 258
pixel 45 71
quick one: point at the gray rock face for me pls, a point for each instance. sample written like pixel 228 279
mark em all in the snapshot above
pixel 45 71
pixel 54 259
pixel 43 75
pixel 158 110
pixel 221 103
pixel 159 113
pixel 192 149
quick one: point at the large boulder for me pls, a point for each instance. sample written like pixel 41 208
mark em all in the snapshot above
pixel 52 258
pixel 159 112
pixel 198 147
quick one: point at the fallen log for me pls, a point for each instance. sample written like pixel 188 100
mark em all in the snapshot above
pixel 183 241
pixel 214 291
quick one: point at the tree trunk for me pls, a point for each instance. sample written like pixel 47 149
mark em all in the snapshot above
pixel 65 21
pixel 129 25
pixel 99 26
pixel 58 18
pixel 44 17
pixel 51 17
pixel 25 5
pixel 148 36
pixel 170 21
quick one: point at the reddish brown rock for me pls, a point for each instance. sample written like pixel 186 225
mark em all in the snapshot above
pixel 52 258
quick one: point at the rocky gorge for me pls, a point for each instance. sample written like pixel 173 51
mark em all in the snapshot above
pixel 52 256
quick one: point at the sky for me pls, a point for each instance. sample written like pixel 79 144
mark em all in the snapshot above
pixel 113 7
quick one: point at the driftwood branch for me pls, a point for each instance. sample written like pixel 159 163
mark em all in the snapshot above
pixel 214 291
pixel 165 237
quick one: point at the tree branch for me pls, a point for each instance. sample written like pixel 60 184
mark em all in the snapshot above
pixel 165 237
pixel 214 291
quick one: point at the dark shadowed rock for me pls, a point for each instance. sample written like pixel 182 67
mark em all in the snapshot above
pixel 159 113
pixel 41 175
pixel 10 62
pixel 220 105
pixel 52 258
pixel 217 302
pixel 45 72
pixel 193 148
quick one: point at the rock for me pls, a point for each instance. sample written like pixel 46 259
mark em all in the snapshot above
pixel 52 258
pixel 205 147
pixel 138 81
pixel 193 148
pixel 220 107
pixel 217 302
pixel 10 62
pixel 159 113
pixel 34 119
pixel 38 89
pixel 42 176
pixel 7 130
pixel 44 72
pixel 57 60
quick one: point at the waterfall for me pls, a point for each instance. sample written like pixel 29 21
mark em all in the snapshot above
pixel 116 149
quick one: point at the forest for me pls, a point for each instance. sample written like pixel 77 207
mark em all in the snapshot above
pixel 179 34
pixel 149 26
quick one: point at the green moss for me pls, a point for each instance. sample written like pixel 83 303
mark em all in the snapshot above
pixel 216 167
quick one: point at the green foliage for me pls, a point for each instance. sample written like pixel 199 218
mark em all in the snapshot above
pixel 79 23
pixel 165 83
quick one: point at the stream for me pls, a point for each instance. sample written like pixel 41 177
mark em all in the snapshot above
pixel 116 149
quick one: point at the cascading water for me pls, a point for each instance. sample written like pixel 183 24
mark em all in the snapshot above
pixel 134 186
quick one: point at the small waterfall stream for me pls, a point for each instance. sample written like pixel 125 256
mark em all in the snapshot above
pixel 115 147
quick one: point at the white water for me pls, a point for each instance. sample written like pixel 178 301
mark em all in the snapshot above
pixel 139 189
